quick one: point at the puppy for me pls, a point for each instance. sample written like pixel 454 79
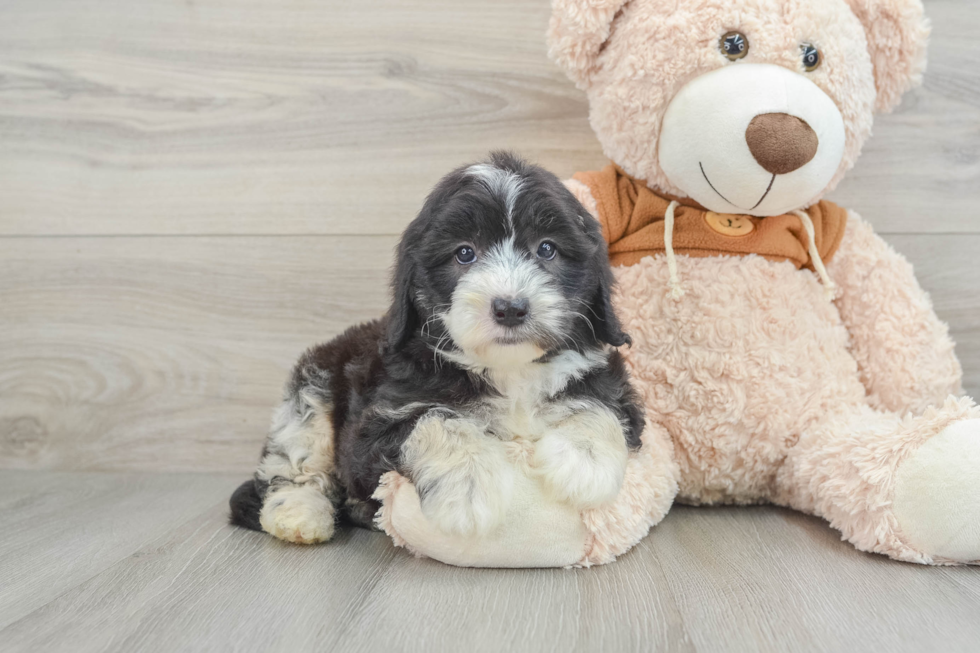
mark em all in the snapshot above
pixel 501 330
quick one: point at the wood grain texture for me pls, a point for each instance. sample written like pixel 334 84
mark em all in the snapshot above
pixel 769 579
pixel 726 579
pixel 168 354
pixel 61 529
pixel 245 117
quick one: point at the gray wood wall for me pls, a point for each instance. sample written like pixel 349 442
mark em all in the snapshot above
pixel 193 192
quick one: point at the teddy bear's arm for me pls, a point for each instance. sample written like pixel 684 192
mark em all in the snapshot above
pixel 902 348
pixel 583 195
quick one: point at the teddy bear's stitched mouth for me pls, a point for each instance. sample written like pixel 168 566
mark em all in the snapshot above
pixel 764 195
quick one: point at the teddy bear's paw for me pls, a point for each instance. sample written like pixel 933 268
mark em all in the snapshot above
pixel 462 475
pixel 937 494
pixel 301 514
pixel 582 469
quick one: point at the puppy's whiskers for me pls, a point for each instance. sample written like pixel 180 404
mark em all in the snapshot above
pixel 587 306
pixel 438 351
pixel 587 321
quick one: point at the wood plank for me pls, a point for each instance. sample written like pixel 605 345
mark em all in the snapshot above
pixel 623 607
pixel 237 117
pixel 61 529
pixel 726 579
pixel 768 579
pixel 162 354
pixel 210 587
pixel 168 354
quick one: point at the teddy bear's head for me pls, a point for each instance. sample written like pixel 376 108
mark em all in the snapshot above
pixel 746 106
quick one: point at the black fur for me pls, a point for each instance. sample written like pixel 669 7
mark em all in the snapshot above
pixel 375 369
pixel 246 502
pixel 460 210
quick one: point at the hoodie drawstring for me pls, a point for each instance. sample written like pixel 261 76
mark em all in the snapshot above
pixel 676 292
pixel 830 288
pixel 674 283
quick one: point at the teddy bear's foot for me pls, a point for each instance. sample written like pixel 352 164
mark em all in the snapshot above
pixel 301 514
pixel 937 494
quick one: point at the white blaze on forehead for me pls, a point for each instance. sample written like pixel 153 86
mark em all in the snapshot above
pixel 501 183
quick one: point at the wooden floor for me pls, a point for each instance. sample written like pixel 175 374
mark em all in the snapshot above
pixel 135 562
pixel 191 192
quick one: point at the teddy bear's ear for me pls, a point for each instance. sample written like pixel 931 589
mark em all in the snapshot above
pixel 897 33
pixel 576 34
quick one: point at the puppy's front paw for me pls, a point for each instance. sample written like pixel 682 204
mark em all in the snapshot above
pixel 584 468
pixel 462 475
pixel 298 513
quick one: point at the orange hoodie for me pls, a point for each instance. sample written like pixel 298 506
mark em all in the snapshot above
pixel 632 218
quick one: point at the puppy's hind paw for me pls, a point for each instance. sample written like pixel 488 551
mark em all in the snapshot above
pixel 298 513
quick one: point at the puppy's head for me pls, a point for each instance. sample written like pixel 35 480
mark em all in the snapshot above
pixel 502 266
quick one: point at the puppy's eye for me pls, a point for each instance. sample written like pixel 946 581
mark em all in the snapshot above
pixel 734 45
pixel 811 57
pixel 465 255
pixel 547 250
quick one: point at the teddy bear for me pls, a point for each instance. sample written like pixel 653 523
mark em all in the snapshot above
pixel 784 352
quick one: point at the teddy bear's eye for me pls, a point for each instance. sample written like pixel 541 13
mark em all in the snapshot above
pixel 811 57
pixel 734 45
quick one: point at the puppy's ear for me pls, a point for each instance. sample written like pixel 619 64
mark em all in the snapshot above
pixel 577 32
pixel 403 316
pixel 603 317
pixel 897 33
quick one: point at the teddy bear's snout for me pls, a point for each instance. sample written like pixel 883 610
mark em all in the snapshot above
pixel 781 143
pixel 773 144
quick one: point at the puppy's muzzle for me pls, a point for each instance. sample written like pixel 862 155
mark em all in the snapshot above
pixel 510 312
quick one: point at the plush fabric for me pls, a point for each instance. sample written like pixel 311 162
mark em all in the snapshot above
pixel 740 173
pixel 633 58
pixel 632 218
pixel 752 374
pixel 781 143
pixel 903 350
pixel 942 518
pixel 897 33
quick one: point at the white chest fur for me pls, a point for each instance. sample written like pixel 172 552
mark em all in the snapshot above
pixel 526 407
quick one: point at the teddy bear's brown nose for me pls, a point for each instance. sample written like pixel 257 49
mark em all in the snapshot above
pixel 781 143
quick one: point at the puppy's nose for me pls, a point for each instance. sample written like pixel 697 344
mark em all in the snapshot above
pixel 781 143
pixel 510 312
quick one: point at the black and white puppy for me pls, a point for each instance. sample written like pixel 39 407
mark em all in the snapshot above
pixel 501 329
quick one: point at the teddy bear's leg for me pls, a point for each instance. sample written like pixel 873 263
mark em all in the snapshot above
pixel 647 493
pixel 907 488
